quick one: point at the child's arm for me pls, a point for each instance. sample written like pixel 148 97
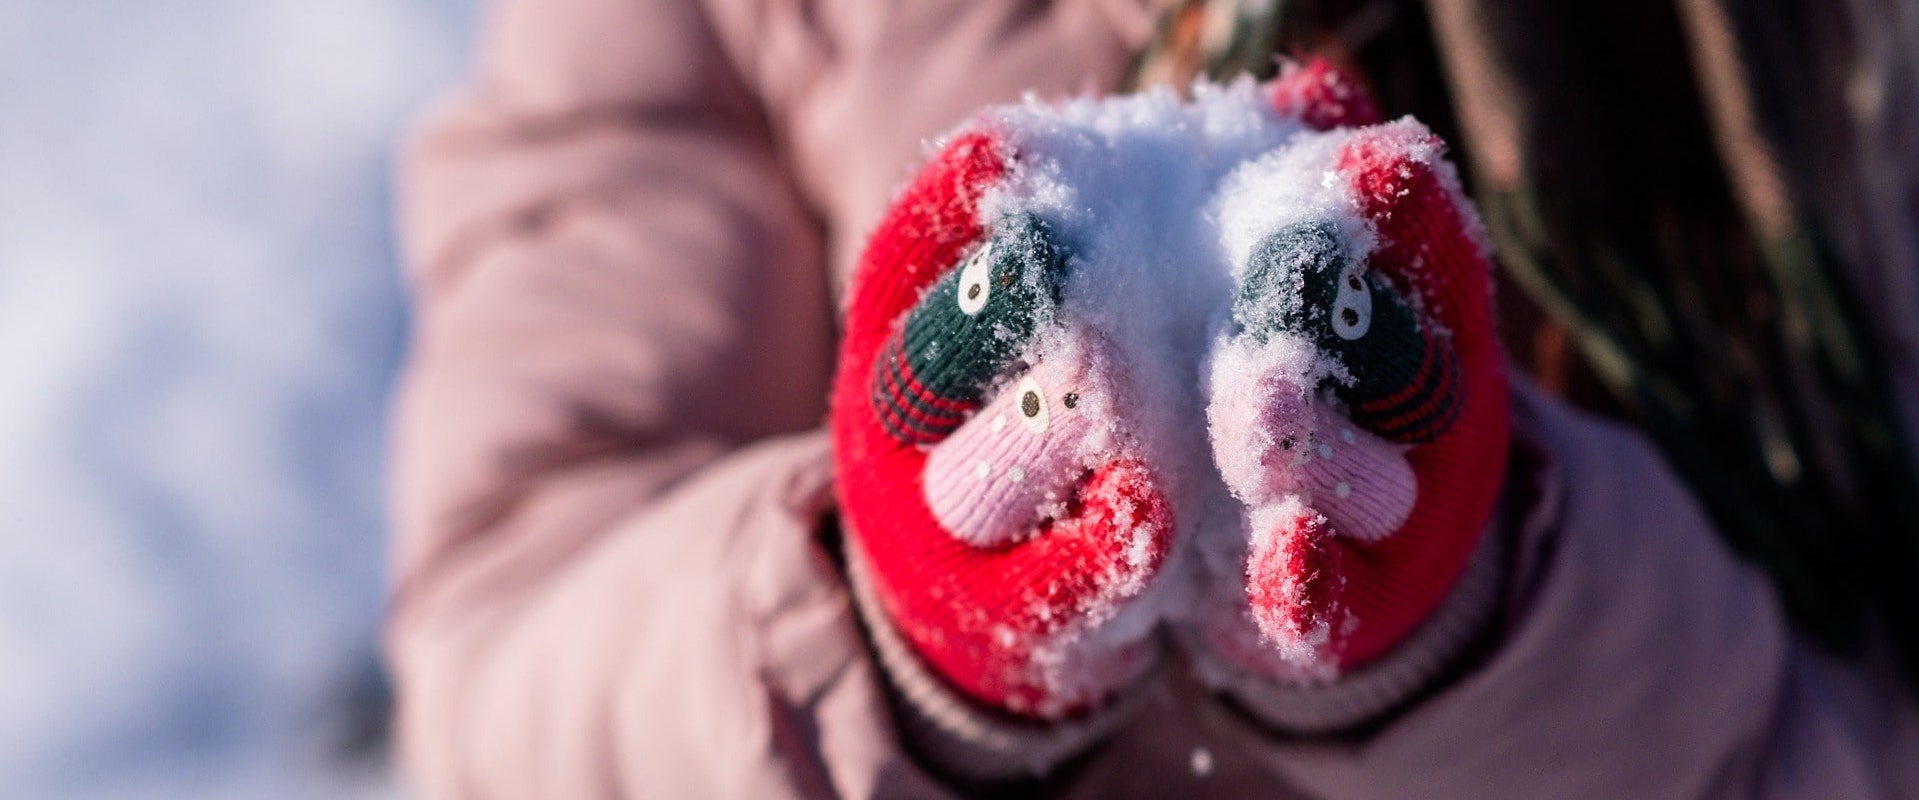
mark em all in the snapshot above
pixel 600 583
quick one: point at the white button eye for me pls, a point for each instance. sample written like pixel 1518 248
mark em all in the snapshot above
pixel 1033 409
pixel 976 280
pixel 1353 306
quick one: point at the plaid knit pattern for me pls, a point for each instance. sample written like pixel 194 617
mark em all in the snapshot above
pixel 911 412
pixel 1414 395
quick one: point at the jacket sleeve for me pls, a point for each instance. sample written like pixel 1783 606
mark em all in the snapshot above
pixel 1633 657
pixel 606 576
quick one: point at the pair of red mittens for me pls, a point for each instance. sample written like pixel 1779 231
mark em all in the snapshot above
pixel 1009 526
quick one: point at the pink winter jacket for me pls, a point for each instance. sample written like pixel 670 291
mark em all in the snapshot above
pixel 615 576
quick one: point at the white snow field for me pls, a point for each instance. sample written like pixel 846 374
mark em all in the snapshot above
pixel 200 317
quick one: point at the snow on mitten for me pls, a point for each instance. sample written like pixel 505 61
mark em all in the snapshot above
pixel 1321 96
pixel 1359 405
pixel 999 530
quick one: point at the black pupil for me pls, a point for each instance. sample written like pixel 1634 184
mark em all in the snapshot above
pixel 1029 404
pixel 1350 316
pixel 1353 281
pixel 1071 399
pixel 972 292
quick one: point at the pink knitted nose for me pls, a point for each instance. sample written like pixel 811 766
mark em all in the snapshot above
pixel 1362 483
pixel 1015 463
pixel 1294 443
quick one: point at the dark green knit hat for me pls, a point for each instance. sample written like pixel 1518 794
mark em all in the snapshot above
pixel 967 329
pixel 1302 281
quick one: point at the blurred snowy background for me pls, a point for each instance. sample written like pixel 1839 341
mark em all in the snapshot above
pixel 200 317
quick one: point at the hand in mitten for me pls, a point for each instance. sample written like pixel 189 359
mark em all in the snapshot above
pixel 1002 532
pixel 1359 406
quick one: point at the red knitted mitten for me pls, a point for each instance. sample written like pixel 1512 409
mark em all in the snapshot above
pixel 1000 543
pixel 1359 404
